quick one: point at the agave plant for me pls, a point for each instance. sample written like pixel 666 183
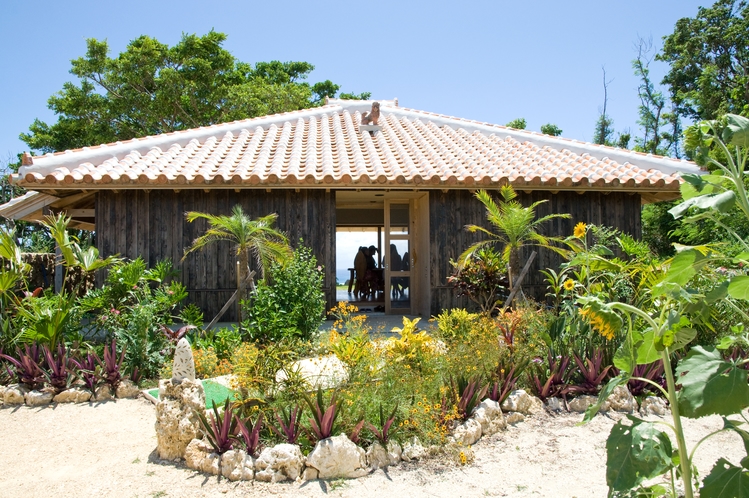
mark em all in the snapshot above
pixel 110 370
pixel 593 373
pixel 247 432
pixel 221 429
pixel 87 371
pixel 469 393
pixel 289 427
pixel 58 373
pixel 322 423
pixel 382 434
pixel 26 366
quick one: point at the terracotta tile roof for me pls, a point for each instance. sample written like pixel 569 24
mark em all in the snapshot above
pixel 326 147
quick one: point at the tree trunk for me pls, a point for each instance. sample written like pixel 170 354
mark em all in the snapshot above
pixel 514 265
pixel 243 272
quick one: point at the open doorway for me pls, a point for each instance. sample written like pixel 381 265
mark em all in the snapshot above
pixel 388 230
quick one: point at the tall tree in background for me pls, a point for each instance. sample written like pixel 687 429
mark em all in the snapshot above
pixel 518 124
pixel 709 61
pixel 661 129
pixel 152 88
pixel 604 132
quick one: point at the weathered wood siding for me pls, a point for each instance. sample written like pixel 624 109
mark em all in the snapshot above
pixel 152 225
pixel 450 211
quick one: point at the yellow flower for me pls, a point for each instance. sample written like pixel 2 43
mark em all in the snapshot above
pixel 580 230
pixel 569 284
pixel 463 458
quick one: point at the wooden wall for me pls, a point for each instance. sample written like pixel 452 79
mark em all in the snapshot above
pixel 152 225
pixel 450 211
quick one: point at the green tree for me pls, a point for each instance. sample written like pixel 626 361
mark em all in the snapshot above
pixel 661 129
pixel 709 61
pixel 515 226
pixel 518 124
pixel 551 129
pixel 152 88
pixel 255 238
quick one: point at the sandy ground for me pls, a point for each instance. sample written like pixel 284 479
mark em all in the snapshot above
pixel 107 449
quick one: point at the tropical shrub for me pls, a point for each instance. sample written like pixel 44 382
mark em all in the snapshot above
pixel 290 304
pixel 481 277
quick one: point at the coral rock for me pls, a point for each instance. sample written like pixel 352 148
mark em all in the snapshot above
pixel 14 394
pixel 103 393
pixel 38 398
pixel 581 403
pixel 73 395
pixel 489 415
pixel 338 457
pixel 378 456
pixel 653 405
pixel 183 367
pixel 522 402
pixel 621 400
pixel 310 474
pixel 177 421
pixel 554 405
pixel 326 372
pixel 467 433
pixel 283 462
pixel 127 389
pixel 237 465
pixel 413 450
pixel 513 418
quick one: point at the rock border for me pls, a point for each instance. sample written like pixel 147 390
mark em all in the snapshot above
pixel 17 394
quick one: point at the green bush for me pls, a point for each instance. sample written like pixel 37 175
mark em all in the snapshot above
pixel 292 304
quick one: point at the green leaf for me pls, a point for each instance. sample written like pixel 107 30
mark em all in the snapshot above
pixel 737 130
pixel 635 453
pixel 710 384
pixel 722 202
pixel 625 358
pixel 734 425
pixel 684 266
pixel 725 481
pixel 647 351
pixel 738 288
pixel 718 293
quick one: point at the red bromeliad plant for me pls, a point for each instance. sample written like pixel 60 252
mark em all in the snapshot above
pixel 507 378
pixel 248 433
pixel 322 423
pixel 175 335
pixel 87 371
pixel 593 373
pixel 382 434
pixel 110 370
pixel 220 429
pixel 58 373
pixel 354 437
pixel 557 382
pixel 469 394
pixel 289 427
pixel 26 366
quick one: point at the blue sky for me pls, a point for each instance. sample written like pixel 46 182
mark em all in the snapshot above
pixel 490 61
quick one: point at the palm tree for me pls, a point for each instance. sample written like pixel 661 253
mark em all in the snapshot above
pixel 515 227
pixel 251 237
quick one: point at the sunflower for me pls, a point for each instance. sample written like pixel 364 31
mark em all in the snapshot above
pixel 580 230
pixel 569 284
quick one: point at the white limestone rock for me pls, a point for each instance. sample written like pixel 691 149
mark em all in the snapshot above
pixel 38 398
pixel 581 403
pixel 621 400
pixel 489 415
pixel 183 367
pixel 514 418
pixel 413 450
pixel 310 474
pixel 522 402
pixel 282 462
pixel 127 389
pixel 653 405
pixel 177 421
pixel 336 457
pixel 103 393
pixel 237 465
pixel 554 404
pixel 467 433
pixel 14 394
pixel 73 395
pixel 326 372
pixel 394 452
pixel 195 453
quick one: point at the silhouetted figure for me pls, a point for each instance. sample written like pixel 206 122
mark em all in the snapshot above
pixel 360 271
